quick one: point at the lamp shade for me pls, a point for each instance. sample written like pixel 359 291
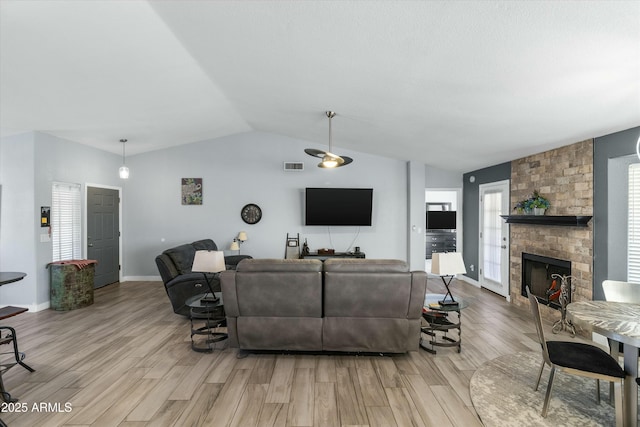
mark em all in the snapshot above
pixel 447 264
pixel 208 262
pixel 123 172
pixel 242 236
pixel 235 246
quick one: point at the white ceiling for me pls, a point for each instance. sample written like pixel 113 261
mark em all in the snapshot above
pixel 458 85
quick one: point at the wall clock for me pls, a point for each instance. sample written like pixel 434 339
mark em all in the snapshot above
pixel 251 213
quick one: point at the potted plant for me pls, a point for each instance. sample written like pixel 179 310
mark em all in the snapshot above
pixel 535 204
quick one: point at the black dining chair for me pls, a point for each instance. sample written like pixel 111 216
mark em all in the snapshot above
pixel 577 358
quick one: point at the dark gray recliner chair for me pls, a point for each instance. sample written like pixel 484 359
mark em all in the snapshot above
pixel 180 282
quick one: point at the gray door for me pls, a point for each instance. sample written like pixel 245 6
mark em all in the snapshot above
pixel 103 235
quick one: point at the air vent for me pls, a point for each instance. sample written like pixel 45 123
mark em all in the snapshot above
pixel 293 166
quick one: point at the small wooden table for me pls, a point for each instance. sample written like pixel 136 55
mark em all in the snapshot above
pixel 620 322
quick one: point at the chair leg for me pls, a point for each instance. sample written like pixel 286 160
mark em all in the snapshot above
pixel 16 353
pixel 547 396
pixel 619 405
pixel 614 351
pixel 539 376
pixel 598 391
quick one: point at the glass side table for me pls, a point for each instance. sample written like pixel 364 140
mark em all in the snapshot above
pixel 440 318
pixel 206 317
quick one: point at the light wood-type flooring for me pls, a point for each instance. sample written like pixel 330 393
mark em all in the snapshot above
pixel 127 361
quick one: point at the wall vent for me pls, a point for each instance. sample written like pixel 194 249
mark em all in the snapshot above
pixel 293 166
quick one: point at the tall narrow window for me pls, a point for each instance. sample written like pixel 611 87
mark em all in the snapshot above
pixel 65 221
pixel 491 235
pixel 633 230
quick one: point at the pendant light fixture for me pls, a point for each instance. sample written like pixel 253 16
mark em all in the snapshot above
pixel 123 171
pixel 329 160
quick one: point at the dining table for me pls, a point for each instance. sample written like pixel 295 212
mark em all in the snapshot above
pixel 618 321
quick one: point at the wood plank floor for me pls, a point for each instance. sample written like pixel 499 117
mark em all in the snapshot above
pixel 126 361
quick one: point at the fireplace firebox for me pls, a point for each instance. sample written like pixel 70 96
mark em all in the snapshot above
pixel 537 272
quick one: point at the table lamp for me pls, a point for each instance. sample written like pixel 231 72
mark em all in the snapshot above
pixel 447 264
pixel 235 245
pixel 208 262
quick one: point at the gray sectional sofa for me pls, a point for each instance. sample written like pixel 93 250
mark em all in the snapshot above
pixel 350 305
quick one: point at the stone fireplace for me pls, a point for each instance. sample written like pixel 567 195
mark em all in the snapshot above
pixel 565 177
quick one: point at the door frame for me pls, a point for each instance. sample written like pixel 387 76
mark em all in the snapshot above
pixel 504 184
pixel 85 249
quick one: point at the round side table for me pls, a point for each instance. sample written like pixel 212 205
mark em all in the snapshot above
pixel 436 319
pixel 207 315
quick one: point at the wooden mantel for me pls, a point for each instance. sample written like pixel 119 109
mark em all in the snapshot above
pixel 561 220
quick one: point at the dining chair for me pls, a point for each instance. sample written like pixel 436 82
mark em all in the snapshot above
pixel 576 358
pixel 617 291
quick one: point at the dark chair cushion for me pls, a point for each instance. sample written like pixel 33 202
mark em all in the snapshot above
pixel 205 245
pixel 584 357
pixel 638 381
pixel 182 257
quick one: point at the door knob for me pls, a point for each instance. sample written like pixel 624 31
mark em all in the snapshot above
pixel 504 246
pixel 90 245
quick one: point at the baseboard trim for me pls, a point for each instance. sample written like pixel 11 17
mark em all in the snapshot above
pixel 468 280
pixel 141 278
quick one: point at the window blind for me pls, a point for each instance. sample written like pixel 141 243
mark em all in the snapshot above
pixel 633 230
pixel 65 221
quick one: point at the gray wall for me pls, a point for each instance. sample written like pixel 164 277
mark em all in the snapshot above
pixel 471 209
pixel 240 169
pixel 29 164
pixel 248 168
pixel 611 157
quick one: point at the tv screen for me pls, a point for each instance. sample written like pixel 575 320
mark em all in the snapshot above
pixel 441 220
pixel 338 206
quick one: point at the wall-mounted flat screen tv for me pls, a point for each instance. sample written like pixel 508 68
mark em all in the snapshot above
pixel 338 206
pixel 441 220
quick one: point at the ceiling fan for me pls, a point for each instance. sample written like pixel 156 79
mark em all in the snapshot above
pixel 329 160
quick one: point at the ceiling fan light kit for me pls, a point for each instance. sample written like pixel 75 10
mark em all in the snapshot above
pixel 329 160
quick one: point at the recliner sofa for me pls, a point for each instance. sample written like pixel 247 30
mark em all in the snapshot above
pixel 180 282
pixel 348 305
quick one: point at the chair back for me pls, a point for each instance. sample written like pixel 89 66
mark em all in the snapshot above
pixel 537 319
pixel 617 291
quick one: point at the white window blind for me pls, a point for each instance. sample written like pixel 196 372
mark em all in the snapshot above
pixel 65 221
pixel 633 230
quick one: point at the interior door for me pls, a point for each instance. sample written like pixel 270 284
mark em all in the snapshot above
pixel 103 233
pixel 494 238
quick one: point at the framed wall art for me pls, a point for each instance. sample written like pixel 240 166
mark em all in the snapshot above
pixel 191 191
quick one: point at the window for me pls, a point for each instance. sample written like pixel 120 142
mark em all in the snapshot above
pixel 65 221
pixel 633 230
pixel 492 235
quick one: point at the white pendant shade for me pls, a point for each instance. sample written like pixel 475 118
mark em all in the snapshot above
pixel 123 172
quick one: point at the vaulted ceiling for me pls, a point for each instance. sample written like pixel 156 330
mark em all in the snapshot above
pixel 458 85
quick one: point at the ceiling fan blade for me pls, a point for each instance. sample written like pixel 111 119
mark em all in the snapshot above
pixel 347 160
pixel 315 153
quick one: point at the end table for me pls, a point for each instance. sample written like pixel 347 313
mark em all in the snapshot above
pixel 206 316
pixel 436 319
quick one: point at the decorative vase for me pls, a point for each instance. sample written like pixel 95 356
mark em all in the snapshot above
pixel 538 211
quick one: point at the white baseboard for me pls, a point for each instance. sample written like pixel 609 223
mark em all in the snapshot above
pixel 34 307
pixel 468 280
pixel 141 279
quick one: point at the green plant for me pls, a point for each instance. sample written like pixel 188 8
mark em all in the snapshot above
pixel 534 201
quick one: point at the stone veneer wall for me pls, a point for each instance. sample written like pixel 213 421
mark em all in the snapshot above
pixel 565 177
